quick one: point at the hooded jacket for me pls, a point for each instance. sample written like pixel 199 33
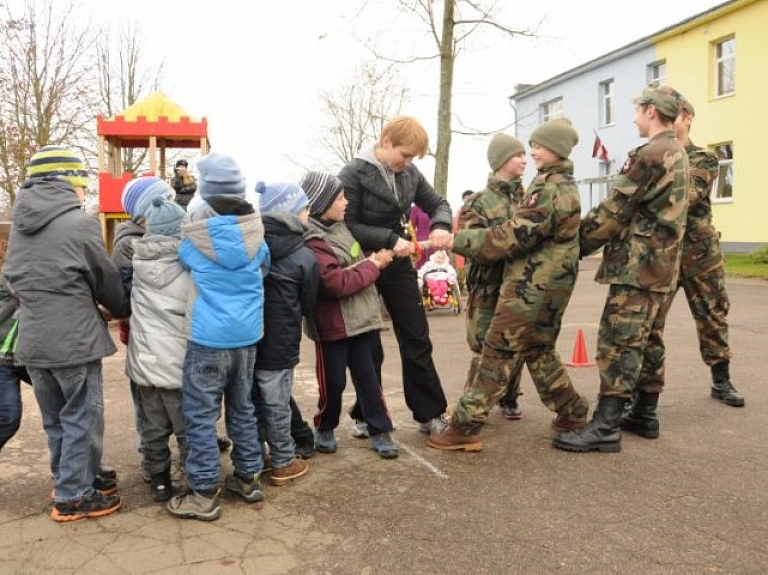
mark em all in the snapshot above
pixel 58 266
pixel 223 247
pixel 290 291
pixel 158 337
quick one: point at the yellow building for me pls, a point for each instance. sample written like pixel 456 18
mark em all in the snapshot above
pixel 718 60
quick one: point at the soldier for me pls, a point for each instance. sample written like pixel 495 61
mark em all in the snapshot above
pixel 492 207
pixel 541 245
pixel 641 225
pixel 702 276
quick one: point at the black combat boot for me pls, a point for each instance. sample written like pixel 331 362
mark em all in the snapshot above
pixel 161 486
pixel 722 388
pixel 601 434
pixel 642 420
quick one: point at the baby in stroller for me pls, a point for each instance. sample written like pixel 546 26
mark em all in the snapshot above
pixel 439 282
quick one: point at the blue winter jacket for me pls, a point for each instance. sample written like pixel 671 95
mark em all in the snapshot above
pixel 228 259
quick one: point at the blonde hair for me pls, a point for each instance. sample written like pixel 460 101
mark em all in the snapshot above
pixel 407 131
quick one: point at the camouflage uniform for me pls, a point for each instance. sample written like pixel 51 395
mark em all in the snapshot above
pixel 540 243
pixel 486 209
pixel 702 276
pixel 641 225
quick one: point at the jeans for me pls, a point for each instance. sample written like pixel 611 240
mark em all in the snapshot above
pixel 10 402
pixel 272 395
pixel 209 375
pixel 162 416
pixel 71 401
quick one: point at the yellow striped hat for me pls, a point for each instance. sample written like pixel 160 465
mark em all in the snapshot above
pixel 59 162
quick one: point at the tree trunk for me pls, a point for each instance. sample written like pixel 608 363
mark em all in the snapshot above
pixel 442 150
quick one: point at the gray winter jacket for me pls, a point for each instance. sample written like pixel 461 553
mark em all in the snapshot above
pixel 58 266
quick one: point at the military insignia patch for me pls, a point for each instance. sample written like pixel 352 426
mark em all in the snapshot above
pixel 627 165
pixel 532 201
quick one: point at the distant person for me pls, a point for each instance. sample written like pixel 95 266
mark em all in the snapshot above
pixel 290 293
pixel 57 265
pixel 158 341
pixel 381 184
pixel 640 225
pixel 702 276
pixel 346 319
pixel 223 247
pixel 489 208
pixel 540 246
pixel 183 183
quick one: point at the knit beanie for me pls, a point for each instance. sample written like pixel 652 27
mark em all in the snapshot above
pixel 180 163
pixel 281 197
pixel 139 193
pixel 557 135
pixel 321 189
pixel 501 149
pixel 58 162
pixel 219 175
pixel 164 218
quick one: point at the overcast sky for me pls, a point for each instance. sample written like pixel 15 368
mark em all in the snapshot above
pixel 255 69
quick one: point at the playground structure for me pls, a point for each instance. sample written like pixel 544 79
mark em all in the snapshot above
pixel 155 124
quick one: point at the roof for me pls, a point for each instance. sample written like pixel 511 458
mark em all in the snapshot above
pixel 153 107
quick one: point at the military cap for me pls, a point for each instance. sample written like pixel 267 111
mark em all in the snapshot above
pixel 688 108
pixel 667 100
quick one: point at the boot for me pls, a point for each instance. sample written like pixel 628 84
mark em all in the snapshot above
pixel 601 434
pixel 161 486
pixel 722 388
pixel 454 439
pixel 642 420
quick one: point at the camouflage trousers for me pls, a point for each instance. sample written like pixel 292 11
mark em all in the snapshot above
pixel 622 339
pixel 481 307
pixel 522 331
pixel 709 305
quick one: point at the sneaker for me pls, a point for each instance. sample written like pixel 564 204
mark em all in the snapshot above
pixel 224 443
pixel 294 470
pixel 161 487
pixel 360 429
pixel 454 439
pixel 305 450
pixel 564 424
pixel 101 484
pixel 511 410
pixel 95 505
pixel 194 505
pixel 248 490
pixel 325 442
pixel 383 445
pixel 434 425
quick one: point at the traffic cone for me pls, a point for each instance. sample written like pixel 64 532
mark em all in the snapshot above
pixel 580 357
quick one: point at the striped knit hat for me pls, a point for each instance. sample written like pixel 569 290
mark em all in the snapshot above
pixel 138 195
pixel 321 189
pixel 58 162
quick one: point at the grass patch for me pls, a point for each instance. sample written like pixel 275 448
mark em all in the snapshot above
pixel 745 266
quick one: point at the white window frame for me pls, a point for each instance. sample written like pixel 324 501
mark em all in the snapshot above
pixel 725 67
pixel 657 72
pixel 551 110
pixel 723 187
pixel 607 111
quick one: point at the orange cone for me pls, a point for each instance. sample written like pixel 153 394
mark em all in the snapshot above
pixel 580 357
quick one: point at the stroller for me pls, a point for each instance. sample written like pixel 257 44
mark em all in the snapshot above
pixel 439 284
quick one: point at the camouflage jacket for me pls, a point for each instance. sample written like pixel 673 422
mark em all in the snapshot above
pixel 641 223
pixel 486 209
pixel 540 240
pixel 701 244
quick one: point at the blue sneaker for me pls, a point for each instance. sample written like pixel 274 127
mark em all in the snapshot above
pixel 325 442
pixel 384 446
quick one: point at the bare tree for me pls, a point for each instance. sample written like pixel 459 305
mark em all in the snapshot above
pixel 44 56
pixel 123 77
pixel 449 24
pixel 358 110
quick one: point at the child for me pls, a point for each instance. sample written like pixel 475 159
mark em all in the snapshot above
pixel 439 267
pixel 541 244
pixel 290 292
pixel 223 247
pixel 158 340
pixel 346 317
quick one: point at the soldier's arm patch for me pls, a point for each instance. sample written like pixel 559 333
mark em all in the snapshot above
pixel 532 201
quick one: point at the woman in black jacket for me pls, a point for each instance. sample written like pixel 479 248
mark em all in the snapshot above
pixel 381 184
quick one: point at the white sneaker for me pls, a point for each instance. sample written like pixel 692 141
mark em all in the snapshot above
pixel 359 429
pixel 435 425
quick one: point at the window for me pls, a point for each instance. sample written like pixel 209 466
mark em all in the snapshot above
pixel 606 103
pixel 657 72
pixel 723 187
pixel 725 67
pixel 551 110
